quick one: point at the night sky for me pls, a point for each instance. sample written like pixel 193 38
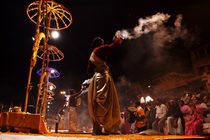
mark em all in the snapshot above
pixel 92 18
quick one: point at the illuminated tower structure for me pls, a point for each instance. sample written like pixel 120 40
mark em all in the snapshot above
pixel 46 97
pixel 44 87
pixel 48 16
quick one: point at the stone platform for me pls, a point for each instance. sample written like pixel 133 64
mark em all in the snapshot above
pixel 55 136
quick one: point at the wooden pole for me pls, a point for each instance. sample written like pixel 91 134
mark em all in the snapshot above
pixel 45 64
pixel 33 61
pixel 28 87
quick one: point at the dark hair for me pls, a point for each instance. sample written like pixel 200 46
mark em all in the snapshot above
pixel 97 41
pixel 137 103
pixel 90 68
pixel 181 101
pixel 71 91
pixel 198 99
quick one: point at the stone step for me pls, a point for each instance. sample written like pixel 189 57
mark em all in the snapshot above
pixel 207 120
pixel 206 131
pixel 206 125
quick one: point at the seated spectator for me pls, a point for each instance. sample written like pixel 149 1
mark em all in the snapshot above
pixel 195 125
pixel 140 118
pixel 160 116
pixel 175 120
pixel 174 126
pixel 127 122
pixel 186 98
pixel 130 119
pixel 204 107
pixel 151 115
pixel 187 113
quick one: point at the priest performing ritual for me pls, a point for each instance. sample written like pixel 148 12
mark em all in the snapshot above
pixel 103 104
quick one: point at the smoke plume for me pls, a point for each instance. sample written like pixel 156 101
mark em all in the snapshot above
pixel 155 47
pixel 157 40
pixel 145 26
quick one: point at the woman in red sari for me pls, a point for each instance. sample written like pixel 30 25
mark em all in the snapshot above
pixel 195 125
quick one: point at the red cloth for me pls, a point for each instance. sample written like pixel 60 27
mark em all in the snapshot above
pixel 73 99
pixel 195 125
pixel 140 113
pixel 127 129
pixel 103 52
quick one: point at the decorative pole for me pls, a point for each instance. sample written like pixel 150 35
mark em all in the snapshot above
pixel 46 93
pixel 50 16
pixel 45 61
pixel 38 38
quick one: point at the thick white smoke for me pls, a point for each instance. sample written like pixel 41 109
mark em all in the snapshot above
pixel 161 35
pixel 167 34
pixel 151 53
pixel 146 25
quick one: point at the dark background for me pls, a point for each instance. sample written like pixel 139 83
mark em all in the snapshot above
pixel 92 18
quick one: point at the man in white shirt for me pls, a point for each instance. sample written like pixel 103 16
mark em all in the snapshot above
pixel 161 111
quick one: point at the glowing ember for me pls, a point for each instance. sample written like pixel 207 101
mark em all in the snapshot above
pixel 124 34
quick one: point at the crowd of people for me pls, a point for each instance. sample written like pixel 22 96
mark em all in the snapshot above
pixel 176 116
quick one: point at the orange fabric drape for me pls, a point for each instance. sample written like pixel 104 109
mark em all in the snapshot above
pixel 23 122
pixel 103 101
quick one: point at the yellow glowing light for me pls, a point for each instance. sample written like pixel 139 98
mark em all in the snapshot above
pixel 51 87
pixel 63 92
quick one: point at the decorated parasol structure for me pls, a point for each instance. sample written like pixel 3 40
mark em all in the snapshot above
pixel 53 73
pixel 47 15
pixel 54 55
pixel 45 93
pixel 51 86
pixel 60 17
